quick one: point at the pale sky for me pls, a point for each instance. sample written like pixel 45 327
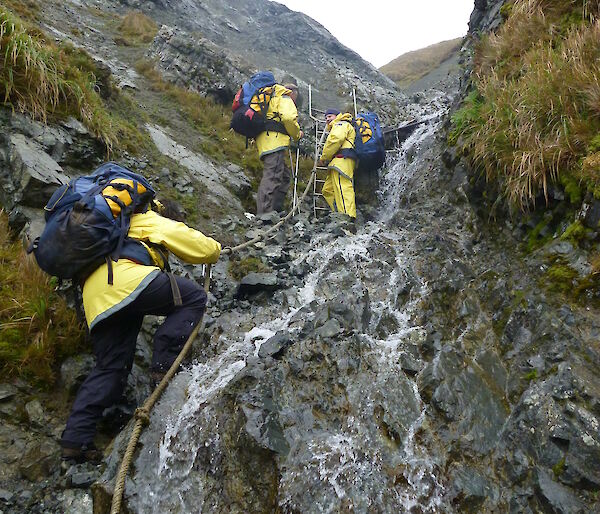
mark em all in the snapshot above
pixel 381 30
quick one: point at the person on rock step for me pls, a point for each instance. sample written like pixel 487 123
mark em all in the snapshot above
pixel 340 158
pixel 272 144
pixel 114 314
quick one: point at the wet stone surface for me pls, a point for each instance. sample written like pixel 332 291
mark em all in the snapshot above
pixel 398 373
pixel 408 362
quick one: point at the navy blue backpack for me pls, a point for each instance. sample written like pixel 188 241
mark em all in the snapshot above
pixel 250 106
pixel 87 221
pixel 369 144
pixel 251 87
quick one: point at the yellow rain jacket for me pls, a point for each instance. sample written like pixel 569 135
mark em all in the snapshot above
pixel 281 108
pixel 338 189
pixel 100 299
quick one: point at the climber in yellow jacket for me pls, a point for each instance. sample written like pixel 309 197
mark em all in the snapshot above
pixel 115 312
pixel 338 189
pixel 282 123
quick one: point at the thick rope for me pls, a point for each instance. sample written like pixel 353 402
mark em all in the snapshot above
pixel 264 235
pixel 142 414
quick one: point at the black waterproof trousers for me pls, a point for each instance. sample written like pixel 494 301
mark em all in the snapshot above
pixel 274 184
pixel 114 341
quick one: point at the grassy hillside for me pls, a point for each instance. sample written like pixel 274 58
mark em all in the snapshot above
pixel 533 118
pixel 37 329
pixel 50 81
pixel 411 66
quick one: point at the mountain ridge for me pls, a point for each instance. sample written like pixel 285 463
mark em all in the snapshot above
pixel 325 63
pixel 414 65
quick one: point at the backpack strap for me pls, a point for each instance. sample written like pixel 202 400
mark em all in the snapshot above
pixel 350 153
pixel 273 124
pixel 175 290
pixel 125 215
pixel 110 270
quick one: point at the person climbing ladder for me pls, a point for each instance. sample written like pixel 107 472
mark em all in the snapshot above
pixel 339 157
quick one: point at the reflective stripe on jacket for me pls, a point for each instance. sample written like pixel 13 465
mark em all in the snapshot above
pixel 281 108
pixel 341 136
pixel 101 299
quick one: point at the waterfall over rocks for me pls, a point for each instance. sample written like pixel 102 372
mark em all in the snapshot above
pixel 416 361
pixel 386 375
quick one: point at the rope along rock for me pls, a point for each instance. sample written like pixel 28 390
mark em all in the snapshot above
pixel 264 235
pixel 142 414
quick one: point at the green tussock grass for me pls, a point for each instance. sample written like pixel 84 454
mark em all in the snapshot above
pixel 42 79
pixel 136 29
pixel 210 119
pixel 37 329
pixel 534 118
pixel 238 269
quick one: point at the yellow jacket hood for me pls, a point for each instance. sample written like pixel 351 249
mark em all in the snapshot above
pixel 342 116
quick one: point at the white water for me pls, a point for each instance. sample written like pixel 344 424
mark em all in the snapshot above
pixel 345 462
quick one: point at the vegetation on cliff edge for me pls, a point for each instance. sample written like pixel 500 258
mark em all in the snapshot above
pixel 44 79
pixel 534 117
pixel 37 329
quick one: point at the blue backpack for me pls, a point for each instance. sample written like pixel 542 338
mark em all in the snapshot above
pixel 250 107
pixel 251 87
pixel 87 221
pixel 369 144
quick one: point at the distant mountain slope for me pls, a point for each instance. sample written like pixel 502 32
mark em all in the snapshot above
pixel 266 35
pixel 412 66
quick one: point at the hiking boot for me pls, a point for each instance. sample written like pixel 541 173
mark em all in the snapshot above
pixel 82 454
pixel 340 224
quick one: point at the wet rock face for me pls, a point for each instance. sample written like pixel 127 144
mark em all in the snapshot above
pixel 196 62
pixel 30 175
pixel 486 16
pixel 415 365
pixel 229 48
pixel 34 160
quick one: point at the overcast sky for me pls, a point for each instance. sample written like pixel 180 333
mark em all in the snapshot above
pixel 394 26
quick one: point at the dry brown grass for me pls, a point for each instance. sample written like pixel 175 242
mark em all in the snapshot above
pixel 136 29
pixel 37 329
pixel 537 110
pixel 412 66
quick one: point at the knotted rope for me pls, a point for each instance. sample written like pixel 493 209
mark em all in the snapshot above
pixel 142 414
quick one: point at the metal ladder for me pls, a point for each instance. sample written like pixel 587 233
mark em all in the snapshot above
pixel 320 125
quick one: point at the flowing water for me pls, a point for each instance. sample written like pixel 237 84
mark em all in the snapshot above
pixel 348 464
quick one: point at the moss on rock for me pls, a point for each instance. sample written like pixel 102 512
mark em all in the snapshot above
pixel 239 269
